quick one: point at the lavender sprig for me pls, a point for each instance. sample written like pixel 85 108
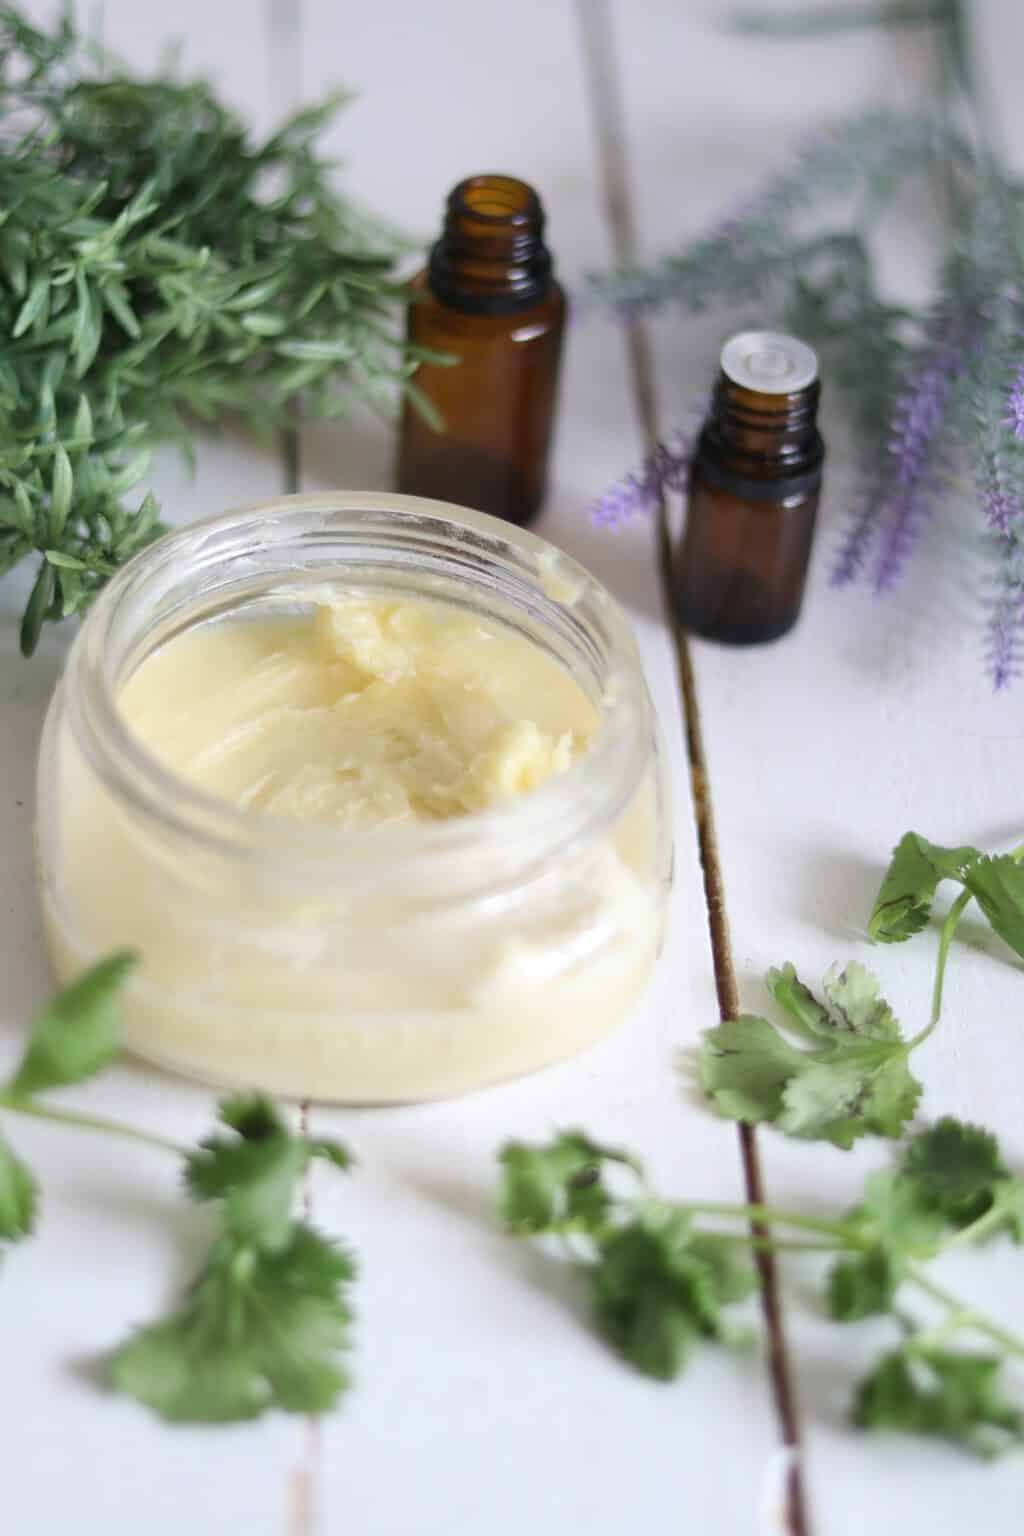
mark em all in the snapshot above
pixel 911 480
pixel 1004 632
pixel 1000 499
pixel 751 248
pixel 997 455
pixel 1014 418
pixel 665 469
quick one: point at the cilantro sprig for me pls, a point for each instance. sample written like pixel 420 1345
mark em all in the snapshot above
pixel 838 1067
pixel 265 1323
pixel 664 1275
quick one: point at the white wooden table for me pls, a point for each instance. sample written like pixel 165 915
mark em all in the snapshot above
pixel 482 1402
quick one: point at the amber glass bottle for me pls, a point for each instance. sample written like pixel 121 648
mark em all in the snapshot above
pixel 754 490
pixel 489 297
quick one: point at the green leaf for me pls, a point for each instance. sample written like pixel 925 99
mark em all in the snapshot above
pixel 854 997
pixel 115 296
pixel 16 512
pixel 957 1168
pixel 77 1033
pixel 19 1196
pixel 258 1330
pixel 806 1014
pixel 61 487
pixel 997 884
pixel 854 1081
pixel 853 1092
pixel 931 1391
pixel 897 1213
pixel 657 1289
pixel 36 608
pixel 743 1067
pixel 269 325
pixel 864 1285
pixel 553 1187
pixel 903 905
pixel 424 407
pixel 13 548
pixel 65 562
pixel 35 306
pixel 256 1172
pixel 88 329
pixel 312 351
pixel 83 427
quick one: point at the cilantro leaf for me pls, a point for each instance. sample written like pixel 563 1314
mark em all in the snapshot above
pixel 898 1214
pixel 551 1188
pixel 258 1330
pixel 857 1005
pixel 957 1169
pixel 931 1391
pixel 997 885
pixel 77 1033
pixel 863 1285
pixel 658 1287
pixel 903 905
pixel 18 1196
pixel 743 1067
pixel 807 1016
pixel 850 1094
pixel 255 1172
pixel 854 1080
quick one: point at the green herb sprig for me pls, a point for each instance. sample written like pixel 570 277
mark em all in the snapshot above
pixel 265 1323
pixel 850 1076
pixel 664 1275
pixel 158 267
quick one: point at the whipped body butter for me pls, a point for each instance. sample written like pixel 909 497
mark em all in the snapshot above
pixel 372 785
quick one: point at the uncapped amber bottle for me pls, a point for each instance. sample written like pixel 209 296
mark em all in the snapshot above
pixel 489 297
pixel 754 487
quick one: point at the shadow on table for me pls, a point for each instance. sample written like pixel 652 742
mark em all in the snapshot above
pixel 552 1274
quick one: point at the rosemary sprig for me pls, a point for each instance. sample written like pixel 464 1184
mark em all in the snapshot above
pixel 158 266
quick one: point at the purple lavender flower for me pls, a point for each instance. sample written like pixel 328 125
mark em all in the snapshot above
pixel 666 469
pixel 1005 628
pixel 913 481
pixel 910 482
pixel 999 498
pixel 1014 418
pixel 853 551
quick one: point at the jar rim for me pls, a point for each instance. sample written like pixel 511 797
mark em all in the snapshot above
pixel 570 806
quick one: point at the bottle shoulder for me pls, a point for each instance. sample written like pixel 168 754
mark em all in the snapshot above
pixel 430 314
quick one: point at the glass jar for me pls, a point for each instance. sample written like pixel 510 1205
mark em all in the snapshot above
pixel 388 964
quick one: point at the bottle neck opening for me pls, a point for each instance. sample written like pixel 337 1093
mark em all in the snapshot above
pixel 491 257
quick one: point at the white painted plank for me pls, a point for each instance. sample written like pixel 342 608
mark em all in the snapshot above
pixel 474 1365
pixel 872 718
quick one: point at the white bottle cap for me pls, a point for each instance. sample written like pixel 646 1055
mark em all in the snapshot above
pixel 769 362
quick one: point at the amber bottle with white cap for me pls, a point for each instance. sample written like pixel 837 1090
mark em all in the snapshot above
pixel 754 488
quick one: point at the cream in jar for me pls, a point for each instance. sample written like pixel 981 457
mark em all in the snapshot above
pixel 364 824
pixel 367 711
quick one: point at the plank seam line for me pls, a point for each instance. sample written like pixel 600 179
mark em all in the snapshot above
pixel 608 116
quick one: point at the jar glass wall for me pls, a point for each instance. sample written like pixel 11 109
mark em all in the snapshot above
pixel 385 964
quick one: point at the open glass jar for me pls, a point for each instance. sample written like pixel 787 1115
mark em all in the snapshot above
pixel 387 964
